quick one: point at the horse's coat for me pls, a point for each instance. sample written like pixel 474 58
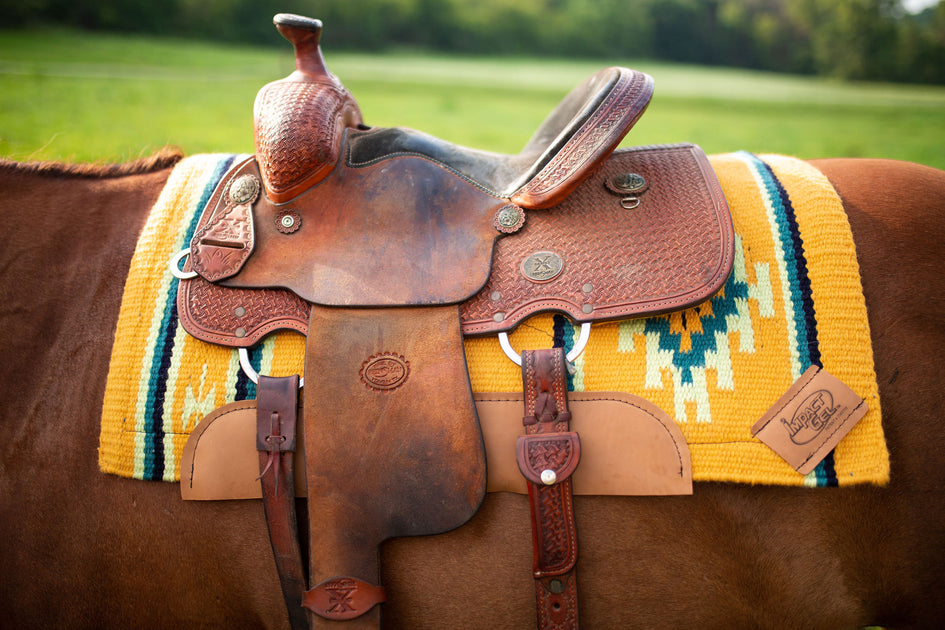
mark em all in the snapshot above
pixel 82 549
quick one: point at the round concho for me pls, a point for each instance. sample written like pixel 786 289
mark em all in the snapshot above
pixel 509 219
pixel 244 189
pixel 627 184
pixel 288 221
pixel 385 371
pixel 542 266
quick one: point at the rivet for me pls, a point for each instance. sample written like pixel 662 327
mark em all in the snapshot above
pixel 240 332
pixel 549 477
pixel 498 317
pixel 288 221
pixel 587 288
pixel 587 309
pixel 495 296
pixel 556 586
pixel 239 311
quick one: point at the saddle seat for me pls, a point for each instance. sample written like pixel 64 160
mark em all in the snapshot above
pixel 577 135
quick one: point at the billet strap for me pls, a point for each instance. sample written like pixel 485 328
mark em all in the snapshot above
pixel 547 455
pixel 276 415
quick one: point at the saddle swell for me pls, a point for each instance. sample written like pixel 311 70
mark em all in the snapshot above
pixel 299 120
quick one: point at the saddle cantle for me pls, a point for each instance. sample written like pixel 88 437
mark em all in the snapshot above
pixel 386 246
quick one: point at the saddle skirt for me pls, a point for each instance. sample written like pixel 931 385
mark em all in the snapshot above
pixel 589 257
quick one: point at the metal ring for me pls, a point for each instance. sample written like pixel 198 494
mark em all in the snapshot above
pixel 251 373
pixel 174 264
pixel 629 203
pixel 575 351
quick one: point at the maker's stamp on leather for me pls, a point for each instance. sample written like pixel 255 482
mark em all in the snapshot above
pixel 385 371
pixel 542 266
pixel 810 419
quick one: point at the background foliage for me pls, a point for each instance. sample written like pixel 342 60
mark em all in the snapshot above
pixel 853 39
pixel 77 96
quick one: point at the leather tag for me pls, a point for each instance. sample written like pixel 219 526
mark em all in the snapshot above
pixel 810 419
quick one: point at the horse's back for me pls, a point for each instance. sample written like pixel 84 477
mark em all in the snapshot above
pixel 84 549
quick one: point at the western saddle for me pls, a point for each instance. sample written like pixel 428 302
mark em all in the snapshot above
pixel 385 246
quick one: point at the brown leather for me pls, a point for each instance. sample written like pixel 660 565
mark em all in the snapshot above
pixel 277 401
pixel 590 139
pixel 630 447
pixel 674 250
pixel 299 120
pixel 343 598
pixel 538 453
pixel 573 140
pixel 405 231
pixel 549 446
pixel 393 444
pixel 221 246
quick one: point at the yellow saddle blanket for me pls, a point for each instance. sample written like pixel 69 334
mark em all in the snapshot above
pixel 794 299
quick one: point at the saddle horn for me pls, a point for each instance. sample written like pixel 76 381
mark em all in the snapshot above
pixel 299 120
pixel 305 34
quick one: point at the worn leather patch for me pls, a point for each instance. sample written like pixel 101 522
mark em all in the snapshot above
pixel 810 419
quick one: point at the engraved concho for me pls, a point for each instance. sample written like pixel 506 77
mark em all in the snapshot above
pixel 385 371
pixel 509 219
pixel 542 266
pixel 244 189
pixel 626 184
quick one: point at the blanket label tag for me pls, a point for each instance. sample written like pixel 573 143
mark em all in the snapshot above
pixel 810 419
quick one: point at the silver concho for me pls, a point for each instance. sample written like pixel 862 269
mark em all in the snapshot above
pixel 627 184
pixel 244 189
pixel 542 266
pixel 509 219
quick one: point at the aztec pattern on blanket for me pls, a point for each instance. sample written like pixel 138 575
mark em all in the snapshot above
pixel 794 300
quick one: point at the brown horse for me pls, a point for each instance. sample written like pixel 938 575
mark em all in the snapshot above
pixel 81 549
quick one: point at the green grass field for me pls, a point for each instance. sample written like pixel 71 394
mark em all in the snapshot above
pixel 93 97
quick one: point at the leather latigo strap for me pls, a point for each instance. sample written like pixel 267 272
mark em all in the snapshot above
pixel 276 416
pixel 547 455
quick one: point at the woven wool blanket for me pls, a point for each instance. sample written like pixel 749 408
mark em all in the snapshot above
pixel 793 300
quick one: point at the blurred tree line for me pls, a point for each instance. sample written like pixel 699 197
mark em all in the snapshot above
pixel 853 39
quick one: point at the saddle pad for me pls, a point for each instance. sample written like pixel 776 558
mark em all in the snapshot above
pixel 793 300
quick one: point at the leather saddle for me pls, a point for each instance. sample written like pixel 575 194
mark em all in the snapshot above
pixel 385 246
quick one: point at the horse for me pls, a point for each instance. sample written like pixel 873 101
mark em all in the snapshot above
pixel 83 549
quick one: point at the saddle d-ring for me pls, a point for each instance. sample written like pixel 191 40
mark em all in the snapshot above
pixel 571 356
pixel 250 372
pixel 174 264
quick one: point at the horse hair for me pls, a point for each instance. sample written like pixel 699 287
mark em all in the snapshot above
pixel 164 158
